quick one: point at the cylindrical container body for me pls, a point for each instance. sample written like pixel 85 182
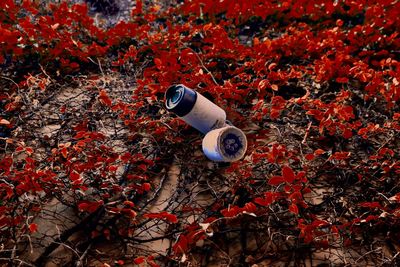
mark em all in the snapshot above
pixel 194 109
pixel 225 144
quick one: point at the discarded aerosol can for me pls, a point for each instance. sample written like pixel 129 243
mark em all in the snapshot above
pixel 222 142
pixel 194 109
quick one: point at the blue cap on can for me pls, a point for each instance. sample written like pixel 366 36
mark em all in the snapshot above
pixel 180 99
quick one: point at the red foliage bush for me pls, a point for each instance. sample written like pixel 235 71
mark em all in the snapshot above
pixel 326 69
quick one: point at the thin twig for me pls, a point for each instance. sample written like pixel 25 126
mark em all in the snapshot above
pixel 11 80
pixel 369 252
pixel 202 64
pixel 18 260
pixel 80 261
pixel 306 134
pixel 157 192
pixel 70 248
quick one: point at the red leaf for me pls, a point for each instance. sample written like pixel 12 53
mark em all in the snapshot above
pixel 146 187
pixel 129 212
pixel 274 87
pixel 275 113
pixel 94 234
pixel 28 150
pixel 107 233
pixel 132 52
pixel 126 157
pixel 262 85
pixel 4 122
pixel 306 190
pixel 113 168
pixel 231 211
pixel 296 196
pixel 262 202
pixel 158 62
pixel 395 197
pixel 346 113
pixel 80 134
pixel 371 205
pixel 272 66
pixel 64 152
pixel 288 174
pixel 287 188
pixel 316 113
pixel 278 102
pixel 138 9
pixel 181 246
pixel 347 133
pixel 293 208
pixel 129 203
pixel 250 207
pixel 370 218
pixel 89 206
pixel 74 176
pixel 162 215
pixel 276 180
pixel 207 27
pixel 256 41
pixel 318 223
pixel 301 176
pixel 139 260
pixel 104 98
pixel 74 65
pixel 8 189
pixel 309 156
pixel 33 227
pixel 342 80
pixel 340 155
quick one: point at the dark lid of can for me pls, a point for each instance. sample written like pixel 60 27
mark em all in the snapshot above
pixel 232 143
pixel 180 99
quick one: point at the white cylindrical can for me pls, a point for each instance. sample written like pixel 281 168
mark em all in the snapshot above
pixel 194 109
pixel 225 144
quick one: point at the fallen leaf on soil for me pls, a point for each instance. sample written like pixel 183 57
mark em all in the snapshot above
pixel 4 122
